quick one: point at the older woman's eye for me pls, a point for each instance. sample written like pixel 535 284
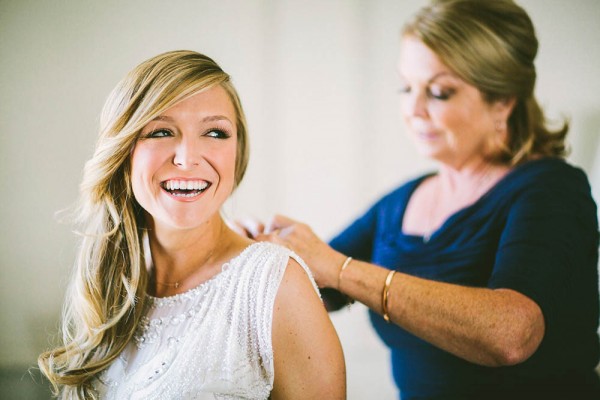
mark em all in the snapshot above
pixel 440 94
pixel 158 133
pixel 217 134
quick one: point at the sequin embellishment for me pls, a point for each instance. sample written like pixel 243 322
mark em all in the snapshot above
pixel 211 342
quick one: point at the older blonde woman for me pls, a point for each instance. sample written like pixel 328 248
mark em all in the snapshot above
pixel 166 302
pixel 481 278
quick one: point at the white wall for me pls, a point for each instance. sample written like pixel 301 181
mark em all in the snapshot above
pixel 318 82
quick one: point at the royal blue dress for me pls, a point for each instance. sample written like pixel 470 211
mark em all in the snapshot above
pixel 536 232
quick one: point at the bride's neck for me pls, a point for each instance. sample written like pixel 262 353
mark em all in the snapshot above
pixel 177 253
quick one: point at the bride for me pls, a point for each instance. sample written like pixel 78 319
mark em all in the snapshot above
pixel 166 302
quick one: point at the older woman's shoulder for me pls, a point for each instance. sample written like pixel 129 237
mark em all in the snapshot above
pixel 549 170
pixel 550 183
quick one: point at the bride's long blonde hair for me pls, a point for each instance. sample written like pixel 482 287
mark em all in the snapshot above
pixel 105 298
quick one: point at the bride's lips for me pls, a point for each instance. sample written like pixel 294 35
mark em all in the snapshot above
pixel 184 189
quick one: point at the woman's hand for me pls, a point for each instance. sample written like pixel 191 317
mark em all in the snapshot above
pixel 248 227
pixel 324 262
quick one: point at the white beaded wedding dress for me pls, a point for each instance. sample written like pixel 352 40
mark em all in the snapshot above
pixel 211 342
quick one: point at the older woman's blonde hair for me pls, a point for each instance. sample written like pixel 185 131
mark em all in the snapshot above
pixel 106 296
pixel 491 44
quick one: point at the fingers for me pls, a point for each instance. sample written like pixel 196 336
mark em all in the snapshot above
pixel 279 222
pixel 248 227
pixel 273 237
pixel 254 227
pixel 285 236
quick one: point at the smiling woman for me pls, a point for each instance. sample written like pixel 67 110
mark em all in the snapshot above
pixel 166 301
pixel 183 165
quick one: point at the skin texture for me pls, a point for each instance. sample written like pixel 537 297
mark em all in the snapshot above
pixel 196 140
pixel 452 124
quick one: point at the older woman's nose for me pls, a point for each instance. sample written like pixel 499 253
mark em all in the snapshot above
pixel 414 104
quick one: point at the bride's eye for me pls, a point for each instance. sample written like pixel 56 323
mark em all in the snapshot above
pixel 217 134
pixel 158 133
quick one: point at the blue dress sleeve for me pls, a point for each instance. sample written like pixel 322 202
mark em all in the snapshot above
pixel 356 240
pixel 548 251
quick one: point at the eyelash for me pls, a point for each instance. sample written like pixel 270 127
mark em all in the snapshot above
pixel 153 134
pixel 443 96
pixel 212 133
pixel 220 134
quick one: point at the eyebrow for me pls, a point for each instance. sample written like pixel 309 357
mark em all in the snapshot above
pixel 209 118
pixel 439 74
pixel 215 118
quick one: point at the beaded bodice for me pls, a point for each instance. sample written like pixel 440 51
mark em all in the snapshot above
pixel 212 342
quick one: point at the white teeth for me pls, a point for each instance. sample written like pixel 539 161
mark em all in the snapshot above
pixel 185 194
pixel 185 185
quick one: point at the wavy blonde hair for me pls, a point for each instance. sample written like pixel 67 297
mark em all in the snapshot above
pixel 105 299
pixel 492 45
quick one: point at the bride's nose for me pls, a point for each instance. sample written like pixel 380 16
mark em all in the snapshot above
pixel 187 152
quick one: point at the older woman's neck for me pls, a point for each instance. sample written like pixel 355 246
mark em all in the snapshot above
pixel 475 178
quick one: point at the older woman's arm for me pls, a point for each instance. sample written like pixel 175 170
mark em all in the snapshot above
pixel 491 327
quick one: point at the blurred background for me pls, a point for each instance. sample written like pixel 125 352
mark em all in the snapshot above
pixel 318 83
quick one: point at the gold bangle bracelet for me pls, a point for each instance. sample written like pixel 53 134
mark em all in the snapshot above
pixel 344 265
pixel 385 295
